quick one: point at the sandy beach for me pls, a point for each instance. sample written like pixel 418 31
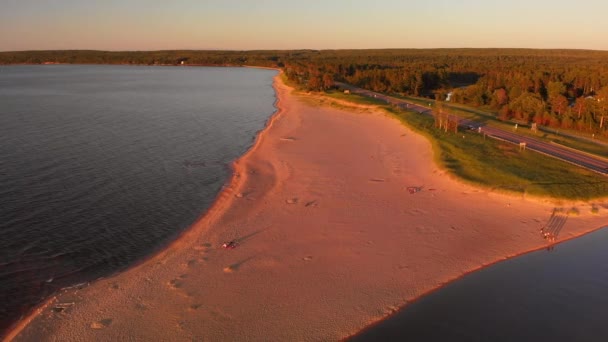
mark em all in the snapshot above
pixel 330 240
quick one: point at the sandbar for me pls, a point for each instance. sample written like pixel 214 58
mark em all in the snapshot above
pixel 340 216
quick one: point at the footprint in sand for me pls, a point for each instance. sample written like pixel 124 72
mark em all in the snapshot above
pixel 194 307
pixel 176 283
pixel 311 203
pixel 104 323
pixel 219 315
pixel 416 211
pixel 203 247
pixel 235 267
pixel 141 306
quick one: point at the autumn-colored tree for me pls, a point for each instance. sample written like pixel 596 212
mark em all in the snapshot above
pixel 579 106
pixel 567 122
pixel 555 96
pixel 504 113
pixel 499 98
pixel 559 103
pixel 315 82
pixel 602 100
pixel 328 81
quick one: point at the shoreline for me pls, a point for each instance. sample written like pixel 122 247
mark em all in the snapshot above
pixel 240 179
pixel 219 204
pixel 461 276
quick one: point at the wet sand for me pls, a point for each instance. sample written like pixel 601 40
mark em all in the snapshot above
pixel 330 239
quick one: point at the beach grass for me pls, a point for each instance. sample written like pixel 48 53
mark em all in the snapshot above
pixel 355 98
pixel 502 166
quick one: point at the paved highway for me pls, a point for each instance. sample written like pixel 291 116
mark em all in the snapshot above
pixel 566 154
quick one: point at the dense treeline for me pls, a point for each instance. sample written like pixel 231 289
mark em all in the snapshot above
pixel 557 88
pixel 223 58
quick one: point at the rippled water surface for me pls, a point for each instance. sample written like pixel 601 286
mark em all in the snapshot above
pixel 102 165
pixel 548 295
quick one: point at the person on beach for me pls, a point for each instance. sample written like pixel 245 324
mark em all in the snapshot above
pixel 230 244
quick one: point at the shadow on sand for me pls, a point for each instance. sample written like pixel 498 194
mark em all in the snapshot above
pixel 554 226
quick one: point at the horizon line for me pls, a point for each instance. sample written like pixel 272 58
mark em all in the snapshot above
pixel 313 49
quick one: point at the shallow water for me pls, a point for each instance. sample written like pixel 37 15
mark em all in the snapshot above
pixel 548 295
pixel 102 165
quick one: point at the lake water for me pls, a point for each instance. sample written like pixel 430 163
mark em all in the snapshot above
pixel 548 295
pixel 102 165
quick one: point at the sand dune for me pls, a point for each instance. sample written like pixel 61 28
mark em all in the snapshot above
pixel 329 239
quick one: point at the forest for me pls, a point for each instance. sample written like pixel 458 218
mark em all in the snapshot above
pixel 556 88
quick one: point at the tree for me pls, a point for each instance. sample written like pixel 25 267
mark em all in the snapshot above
pixel 504 113
pixel 315 82
pixel 555 89
pixel 515 92
pixel 527 106
pixel 579 106
pixel 602 104
pixel 559 103
pixel 500 98
pixel 328 81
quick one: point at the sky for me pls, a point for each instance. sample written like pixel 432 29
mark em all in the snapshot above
pixel 301 24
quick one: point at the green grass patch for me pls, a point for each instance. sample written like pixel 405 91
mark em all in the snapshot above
pixel 359 99
pixel 589 147
pixel 502 166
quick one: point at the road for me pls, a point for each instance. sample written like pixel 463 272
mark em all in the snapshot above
pixel 572 156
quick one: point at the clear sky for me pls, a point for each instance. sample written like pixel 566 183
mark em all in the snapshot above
pixel 309 24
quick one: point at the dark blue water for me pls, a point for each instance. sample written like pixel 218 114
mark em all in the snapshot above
pixel 548 295
pixel 102 165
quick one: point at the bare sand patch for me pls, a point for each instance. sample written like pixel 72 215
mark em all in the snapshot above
pixel 330 238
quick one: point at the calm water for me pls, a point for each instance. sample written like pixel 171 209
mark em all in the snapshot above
pixel 558 295
pixel 102 165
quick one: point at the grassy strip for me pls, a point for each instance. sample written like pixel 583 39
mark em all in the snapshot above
pixel 355 98
pixel 588 147
pixel 502 166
